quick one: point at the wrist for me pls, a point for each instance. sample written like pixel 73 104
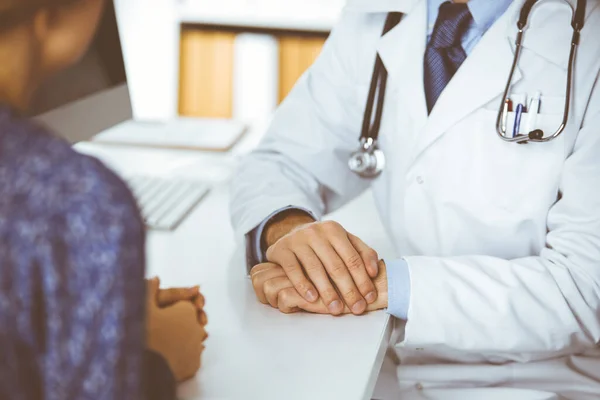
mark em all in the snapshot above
pixel 282 224
pixel 156 335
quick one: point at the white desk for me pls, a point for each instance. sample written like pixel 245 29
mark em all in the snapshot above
pixel 253 351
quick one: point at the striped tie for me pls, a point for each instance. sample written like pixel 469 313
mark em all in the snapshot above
pixel 444 54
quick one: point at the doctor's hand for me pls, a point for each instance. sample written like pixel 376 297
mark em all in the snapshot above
pixel 322 258
pixel 273 287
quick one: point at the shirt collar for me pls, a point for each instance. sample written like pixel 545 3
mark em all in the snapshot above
pixel 484 12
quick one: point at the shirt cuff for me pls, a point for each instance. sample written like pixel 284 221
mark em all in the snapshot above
pixel 256 234
pixel 398 276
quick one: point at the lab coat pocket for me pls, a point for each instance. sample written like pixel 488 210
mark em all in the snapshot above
pixel 515 176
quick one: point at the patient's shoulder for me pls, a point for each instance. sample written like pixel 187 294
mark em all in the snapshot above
pixel 42 175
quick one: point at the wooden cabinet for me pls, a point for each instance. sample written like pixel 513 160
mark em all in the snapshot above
pixel 296 55
pixel 206 73
pixel 207 68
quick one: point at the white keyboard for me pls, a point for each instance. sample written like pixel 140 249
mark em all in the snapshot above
pixel 166 202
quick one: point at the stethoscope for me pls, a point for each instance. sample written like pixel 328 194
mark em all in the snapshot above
pixel 369 161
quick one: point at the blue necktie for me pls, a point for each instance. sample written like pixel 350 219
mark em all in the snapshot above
pixel 444 54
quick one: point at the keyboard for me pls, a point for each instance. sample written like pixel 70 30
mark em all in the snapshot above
pixel 166 202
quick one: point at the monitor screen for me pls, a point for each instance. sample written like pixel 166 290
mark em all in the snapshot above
pixel 100 69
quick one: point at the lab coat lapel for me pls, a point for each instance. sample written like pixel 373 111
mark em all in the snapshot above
pixel 481 78
pixel 402 51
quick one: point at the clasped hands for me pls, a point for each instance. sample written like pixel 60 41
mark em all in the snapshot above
pixel 319 267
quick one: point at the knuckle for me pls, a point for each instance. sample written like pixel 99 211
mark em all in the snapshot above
pixel 290 266
pixel 337 268
pixel 269 253
pixel 269 286
pixel 370 253
pixel 204 335
pixel 332 226
pixel 329 294
pixel 313 266
pixel 302 286
pixel 351 294
pixel 354 262
pixel 310 232
pixel 186 308
pixel 283 243
pixel 366 287
pixel 284 297
pixel 273 253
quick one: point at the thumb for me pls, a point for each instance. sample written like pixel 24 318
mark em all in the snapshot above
pixel 152 286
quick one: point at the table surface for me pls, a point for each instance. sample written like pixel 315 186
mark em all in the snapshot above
pixel 301 15
pixel 253 351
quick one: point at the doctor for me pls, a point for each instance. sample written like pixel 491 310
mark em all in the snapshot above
pixel 497 274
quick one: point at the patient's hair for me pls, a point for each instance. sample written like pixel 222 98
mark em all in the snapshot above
pixel 14 12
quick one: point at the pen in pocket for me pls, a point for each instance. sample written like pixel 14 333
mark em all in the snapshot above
pixel 507 109
pixel 518 117
pixel 533 111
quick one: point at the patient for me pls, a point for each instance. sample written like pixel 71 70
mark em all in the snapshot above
pixel 77 319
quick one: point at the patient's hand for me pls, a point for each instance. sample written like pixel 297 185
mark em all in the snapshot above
pixel 175 327
pixel 273 287
pixel 168 297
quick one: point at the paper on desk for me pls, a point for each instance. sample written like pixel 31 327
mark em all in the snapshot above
pixel 181 133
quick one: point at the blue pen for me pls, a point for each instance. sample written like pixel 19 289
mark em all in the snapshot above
pixel 518 116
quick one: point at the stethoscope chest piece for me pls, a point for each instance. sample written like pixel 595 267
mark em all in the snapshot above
pixel 369 161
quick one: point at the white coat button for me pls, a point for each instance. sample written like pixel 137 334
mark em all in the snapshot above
pixel 419 386
pixel 420 180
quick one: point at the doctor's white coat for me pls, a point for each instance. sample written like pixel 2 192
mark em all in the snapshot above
pixel 502 240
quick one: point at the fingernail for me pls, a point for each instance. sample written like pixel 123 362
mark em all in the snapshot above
pixel 311 296
pixel 371 297
pixel 335 306
pixel 375 266
pixel 359 307
pixel 194 290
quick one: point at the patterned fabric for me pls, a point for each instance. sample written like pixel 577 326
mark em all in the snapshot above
pixel 71 273
pixel 485 13
pixel 444 54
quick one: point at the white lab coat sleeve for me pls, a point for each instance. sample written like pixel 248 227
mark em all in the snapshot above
pixel 530 308
pixel 303 159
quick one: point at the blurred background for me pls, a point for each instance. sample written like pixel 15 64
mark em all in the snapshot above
pixel 234 58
